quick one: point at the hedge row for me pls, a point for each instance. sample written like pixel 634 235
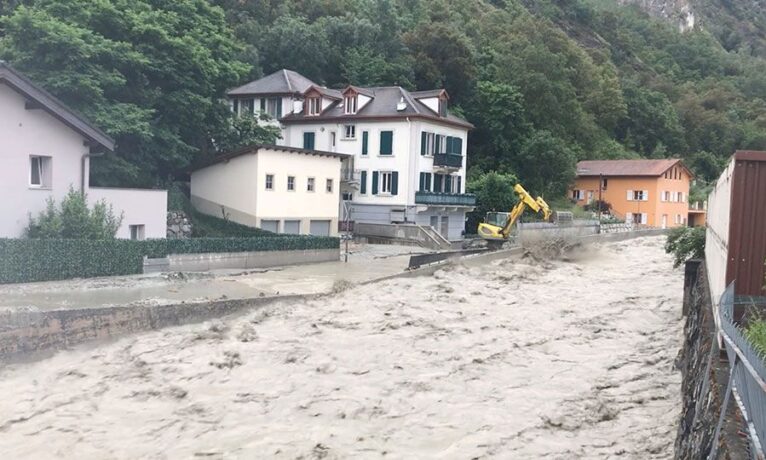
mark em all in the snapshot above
pixel 28 260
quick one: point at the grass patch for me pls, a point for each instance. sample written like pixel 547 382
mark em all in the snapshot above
pixel 206 226
pixel 756 334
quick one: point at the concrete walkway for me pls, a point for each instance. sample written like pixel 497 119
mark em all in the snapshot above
pixel 366 263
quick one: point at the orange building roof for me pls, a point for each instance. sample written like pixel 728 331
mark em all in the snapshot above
pixel 627 167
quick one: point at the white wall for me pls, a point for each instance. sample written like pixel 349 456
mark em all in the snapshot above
pixel 231 184
pixel 300 204
pixel 717 234
pixel 240 186
pixel 32 132
pixel 139 207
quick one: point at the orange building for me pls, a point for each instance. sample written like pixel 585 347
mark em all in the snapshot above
pixel 648 192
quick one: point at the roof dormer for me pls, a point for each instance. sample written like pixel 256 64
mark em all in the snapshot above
pixel 437 100
pixel 355 98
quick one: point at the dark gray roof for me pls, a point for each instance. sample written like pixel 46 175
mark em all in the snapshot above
pixel 46 101
pixel 254 148
pixel 383 105
pixel 426 94
pixel 333 93
pixel 280 82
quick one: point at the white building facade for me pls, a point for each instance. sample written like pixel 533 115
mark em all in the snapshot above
pixel 407 153
pixel 275 188
pixel 45 150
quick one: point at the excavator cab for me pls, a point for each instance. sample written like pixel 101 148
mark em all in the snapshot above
pixel 497 219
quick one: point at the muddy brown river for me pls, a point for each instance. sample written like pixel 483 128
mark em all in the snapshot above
pixel 515 359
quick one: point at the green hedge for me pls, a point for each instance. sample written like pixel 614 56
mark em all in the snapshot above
pixel 28 260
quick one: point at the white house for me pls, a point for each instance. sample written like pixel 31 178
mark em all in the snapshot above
pixel 407 151
pixel 45 148
pixel 276 188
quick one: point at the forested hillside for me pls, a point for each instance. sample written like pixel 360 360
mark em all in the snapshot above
pixel 546 82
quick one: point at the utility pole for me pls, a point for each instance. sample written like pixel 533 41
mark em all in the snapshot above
pixel 600 203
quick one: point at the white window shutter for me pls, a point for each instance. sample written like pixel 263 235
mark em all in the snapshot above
pixel 630 195
pixel 662 197
pixel 644 218
pixel 645 194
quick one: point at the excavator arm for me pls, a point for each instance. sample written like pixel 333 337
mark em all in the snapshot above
pixel 497 232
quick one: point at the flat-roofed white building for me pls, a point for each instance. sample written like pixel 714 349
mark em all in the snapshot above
pixel 275 188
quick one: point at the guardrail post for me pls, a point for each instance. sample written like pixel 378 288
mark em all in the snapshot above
pixel 724 407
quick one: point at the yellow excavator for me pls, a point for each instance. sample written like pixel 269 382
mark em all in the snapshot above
pixel 497 226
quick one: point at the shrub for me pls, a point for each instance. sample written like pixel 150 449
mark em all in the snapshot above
pixel 29 260
pixel 756 334
pixel 72 219
pixel 686 243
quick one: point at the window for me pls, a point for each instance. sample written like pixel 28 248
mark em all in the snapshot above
pixel 665 196
pixel 333 137
pixel 425 182
pixel 329 186
pixel 235 106
pixel 290 183
pixel 442 107
pixel 314 105
pixel 349 132
pixel 40 171
pixel 269 181
pixel 349 104
pixel 310 184
pixel 638 218
pixel 604 183
pixel 578 195
pixel 386 142
pixel 385 182
pixel 272 107
pixel 248 106
pixel 347 196
pixel 427 143
pixel 308 140
pixel 386 179
pixel 638 195
pixel 137 232
pixel 441 144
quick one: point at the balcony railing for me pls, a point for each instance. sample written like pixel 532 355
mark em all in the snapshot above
pixel 350 175
pixel 449 160
pixel 445 199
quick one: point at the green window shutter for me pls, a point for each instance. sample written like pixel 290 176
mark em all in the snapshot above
pixel 308 141
pixel 447 184
pixel 459 185
pixel 365 138
pixel 363 185
pixel 386 142
pixel 279 107
pixel 394 183
pixel 423 142
pixel 428 182
pixel 437 144
pixel 374 182
pixel 458 145
pixel 422 182
pixel 437 183
pixel 450 143
pixel 263 104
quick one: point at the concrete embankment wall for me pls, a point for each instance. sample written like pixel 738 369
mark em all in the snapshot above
pixel 26 333
pixel 239 260
pixel 30 333
pixel 705 377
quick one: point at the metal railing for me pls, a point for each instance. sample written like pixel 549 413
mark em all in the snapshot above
pixel 450 160
pixel 445 199
pixel 747 377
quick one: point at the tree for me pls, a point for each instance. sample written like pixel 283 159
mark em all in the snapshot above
pixel 546 165
pixel 686 243
pixel 72 219
pixel 150 73
pixel 245 130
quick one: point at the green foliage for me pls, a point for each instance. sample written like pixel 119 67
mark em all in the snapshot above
pixel 756 334
pixel 574 79
pixel 244 130
pixel 72 219
pixel 150 73
pixel 30 260
pixel 686 243
pixel 494 192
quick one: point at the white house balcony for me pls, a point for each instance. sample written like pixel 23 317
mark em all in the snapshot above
pixel 446 199
pixel 448 160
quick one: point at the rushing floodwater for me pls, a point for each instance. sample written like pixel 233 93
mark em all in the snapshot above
pixel 560 360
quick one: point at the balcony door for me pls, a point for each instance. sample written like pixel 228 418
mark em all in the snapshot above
pixel 445 227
